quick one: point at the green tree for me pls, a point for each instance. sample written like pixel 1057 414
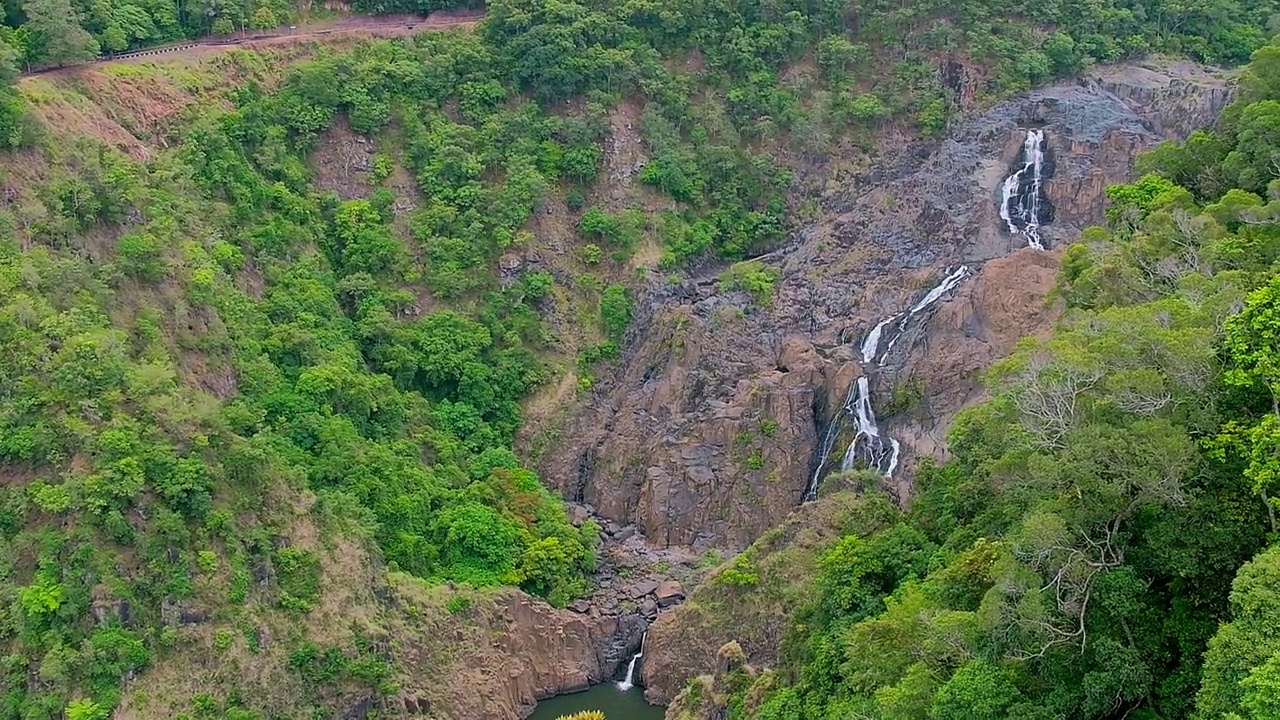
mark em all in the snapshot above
pixel 263 19
pixel 9 60
pixel 1261 697
pixel 979 690
pixel 222 26
pixel 616 309
pixel 57 25
pixel 1251 641
pixel 1060 49
pixel 11 118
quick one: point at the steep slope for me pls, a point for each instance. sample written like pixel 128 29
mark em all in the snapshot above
pixel 709 434
pixel 269 319
pixel 173 546
pixel 1074 555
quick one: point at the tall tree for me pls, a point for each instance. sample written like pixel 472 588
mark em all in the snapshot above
pixel 9 57
pixel 10 105
pixel 57 24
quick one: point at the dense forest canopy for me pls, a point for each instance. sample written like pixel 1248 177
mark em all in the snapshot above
pixel 190 344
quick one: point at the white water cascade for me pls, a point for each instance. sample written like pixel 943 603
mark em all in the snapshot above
pixel 867 442
pixel 877 451
pixel 626 683
pixel 828 442
pixel 1021 206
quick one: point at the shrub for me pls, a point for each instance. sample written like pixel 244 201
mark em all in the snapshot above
pixel 86 710
pixel 222 639
pixel 298 575
pixel 591 254
pixel 753 278
pixel 141 255
pixel 383 166
pixel 458 604
pixel 741 573
pixel 616 309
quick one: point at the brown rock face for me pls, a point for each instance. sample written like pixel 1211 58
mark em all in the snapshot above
pixel 1003 303
pixel 509 652
pixel 1080 199
pixel 710 429
pixel 694 442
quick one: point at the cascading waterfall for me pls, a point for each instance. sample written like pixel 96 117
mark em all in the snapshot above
pixel 1023 206
pixel 828 442
pixel 948 283
pixel 877 451
pixel 867 442
pixel 626 683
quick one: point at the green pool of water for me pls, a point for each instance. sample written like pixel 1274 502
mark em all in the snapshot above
pixel 605 697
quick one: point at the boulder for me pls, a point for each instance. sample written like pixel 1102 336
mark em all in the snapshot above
pixel 641 588
pixel 668 593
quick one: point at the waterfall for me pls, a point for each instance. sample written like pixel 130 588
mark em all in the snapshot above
pixel 878 451
pixel 627 683
pixel 872 343
pixel 934 295
pixel 867 442
pixel 1022 206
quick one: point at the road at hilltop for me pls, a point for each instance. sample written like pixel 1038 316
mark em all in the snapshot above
pixel 350 25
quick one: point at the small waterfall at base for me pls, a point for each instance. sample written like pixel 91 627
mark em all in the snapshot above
pixel 878 451
pixel 1023 206
pixel 626 683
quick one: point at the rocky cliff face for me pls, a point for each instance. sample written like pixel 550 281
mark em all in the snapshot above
pixel 496 657
pixel 709 431
pixel 1176 97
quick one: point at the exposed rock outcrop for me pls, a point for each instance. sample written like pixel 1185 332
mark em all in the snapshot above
pixel 1178 97
pixel 1005 301
pixel 709 430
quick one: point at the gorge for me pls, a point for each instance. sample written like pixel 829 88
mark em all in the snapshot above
pixel 754 361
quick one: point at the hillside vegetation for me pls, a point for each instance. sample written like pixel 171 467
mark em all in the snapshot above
pixel 1098 547
pixel 216 378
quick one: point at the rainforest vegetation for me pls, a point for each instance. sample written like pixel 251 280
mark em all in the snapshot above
pixel 195 345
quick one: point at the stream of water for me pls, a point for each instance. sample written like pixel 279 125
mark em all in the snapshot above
pixel 869 447
pixel 1023 206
